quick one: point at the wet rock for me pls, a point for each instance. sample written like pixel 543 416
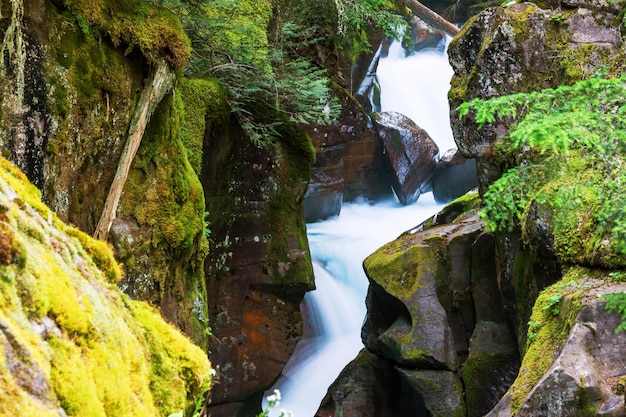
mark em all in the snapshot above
pixel 410 153
pixel 360 390
pixel 454 175
pixel 259 266
pixel 434 305
pixel 490 368
pixel 421 314
pixel 579 380
pixel 441 392
pixel 324 194
pixel 420 337
pixel 348 165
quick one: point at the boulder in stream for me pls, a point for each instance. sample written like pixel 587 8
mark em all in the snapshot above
pixel 454 175
pixel 410 153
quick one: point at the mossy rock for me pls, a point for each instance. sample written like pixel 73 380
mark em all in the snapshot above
pixel 205 107
pixel 553 315
pixel 164 199
pixel 72 343
pixel 152 29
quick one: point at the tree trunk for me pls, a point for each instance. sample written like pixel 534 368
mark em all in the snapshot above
pixel 431 17
pixel 159 84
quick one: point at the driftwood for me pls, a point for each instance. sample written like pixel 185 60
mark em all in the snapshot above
pixel 159 84
pixel 431 17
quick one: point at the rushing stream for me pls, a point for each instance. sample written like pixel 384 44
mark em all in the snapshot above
pixel 416 86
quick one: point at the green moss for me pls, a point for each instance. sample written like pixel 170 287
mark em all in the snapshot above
pixel 153 30
pixel 581 62
pixel 460 206
pixel 164 195
pixel 101 253
pixel 71 381
pixel 205 106
pixel 399 268
pixel 85 347
pixel 173 204
pixel 286 219
pixel 551 332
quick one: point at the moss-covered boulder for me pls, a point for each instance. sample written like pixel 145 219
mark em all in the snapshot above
pixel 434 304
pixel 160 233
pixel 523 48
pixel 65 119
pixel 574 362
pixel 71 343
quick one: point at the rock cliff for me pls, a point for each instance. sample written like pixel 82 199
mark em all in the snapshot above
pixel 466 321
pixel 203 208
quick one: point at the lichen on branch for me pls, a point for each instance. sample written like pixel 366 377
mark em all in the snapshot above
pixel 14 50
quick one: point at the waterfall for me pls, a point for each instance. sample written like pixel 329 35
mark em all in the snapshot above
pixel 335 311
pixel 417 86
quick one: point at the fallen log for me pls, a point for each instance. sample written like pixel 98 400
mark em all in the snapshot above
pixel 159 84
pixel 432 18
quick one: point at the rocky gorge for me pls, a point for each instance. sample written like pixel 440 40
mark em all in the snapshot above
pixel 211 227
pixel 521 326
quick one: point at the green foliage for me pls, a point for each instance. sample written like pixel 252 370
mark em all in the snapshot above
pixel 552 304
pixel 533 328
pixel 207 225
pixel 567 155
pixel 617 302
pixel 356 16
pixel 267 83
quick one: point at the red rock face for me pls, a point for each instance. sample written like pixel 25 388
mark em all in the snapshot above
pixel 410 152
pixel 258 268
pixel 348 165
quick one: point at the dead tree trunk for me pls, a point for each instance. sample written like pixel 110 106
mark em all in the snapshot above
pixel 159 84
pixel 431 17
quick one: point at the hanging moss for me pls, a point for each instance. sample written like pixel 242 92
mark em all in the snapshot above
pixel 154 30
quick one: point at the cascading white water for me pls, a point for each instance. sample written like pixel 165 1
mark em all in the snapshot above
pixel 417 86
pixel 334 312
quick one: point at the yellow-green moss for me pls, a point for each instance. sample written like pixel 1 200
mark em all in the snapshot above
pixel 172 204
pixel 101 254
pixel 551 323
pixel 205 105
pixel 165 197
pixel 87 348
pixel 154 30
pixel 391 265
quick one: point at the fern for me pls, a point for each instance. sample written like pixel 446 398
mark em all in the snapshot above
pixel 617 302
pixel 568 142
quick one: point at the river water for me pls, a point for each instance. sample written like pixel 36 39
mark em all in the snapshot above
pixel 417 87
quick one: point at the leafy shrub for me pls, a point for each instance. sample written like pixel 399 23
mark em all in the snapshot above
pixel 567 155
